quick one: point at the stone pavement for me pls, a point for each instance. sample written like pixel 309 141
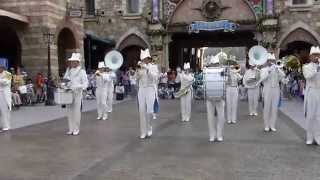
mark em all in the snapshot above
pixel 111 150
pixel 294 109
pixel 30 115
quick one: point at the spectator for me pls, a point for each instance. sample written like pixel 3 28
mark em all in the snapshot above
pixel 40 82
pixel 133 81
pixel 126 82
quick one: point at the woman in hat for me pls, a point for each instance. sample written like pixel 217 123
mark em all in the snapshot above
pixel 271 76
pixel 5 97
pixel 77 82
pixel 147 76
pixel 311 72
pixel 186 84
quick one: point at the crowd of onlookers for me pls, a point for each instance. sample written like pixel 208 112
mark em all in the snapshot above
pixel 24 90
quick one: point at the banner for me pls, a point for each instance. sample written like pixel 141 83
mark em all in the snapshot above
pixel 223 25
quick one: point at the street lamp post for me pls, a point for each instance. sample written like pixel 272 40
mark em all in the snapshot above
pixel 48 38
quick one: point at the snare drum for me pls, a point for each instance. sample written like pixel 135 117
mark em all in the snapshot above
pixel 214 83
pixel 62 97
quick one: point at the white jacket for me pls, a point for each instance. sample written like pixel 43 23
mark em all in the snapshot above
pixel 250 74
pixel 271 77
pixel 186 79
pixel 78 78
pixel 148 76
pixel 234 79
pixel 105 80
pixel 5 87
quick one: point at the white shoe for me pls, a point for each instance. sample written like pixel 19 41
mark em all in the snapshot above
pixel 234 122
pixel 251 114
pixel 187 120
pixel 5 129
pixel 76 133
pixel 105 118
pixel 142 136
pixel 69 133
pixel 99 118
pixel 309 142
pixel 255 114
pixel 154 117
pixel 149 134
pixel 220 139
pixel 273 129
pixel 211 139
pixel 266 129
pixel 229 122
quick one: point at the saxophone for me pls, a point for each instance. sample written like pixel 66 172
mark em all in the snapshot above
pixel 182 91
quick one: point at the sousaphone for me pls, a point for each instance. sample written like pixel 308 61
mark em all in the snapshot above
pixel 258 55
pixel 113 60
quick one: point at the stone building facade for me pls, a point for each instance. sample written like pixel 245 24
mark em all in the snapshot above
pixel 285 27
pixel 23 24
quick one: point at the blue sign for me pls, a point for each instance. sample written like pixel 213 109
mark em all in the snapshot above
pixel 223 25
pixel 4 62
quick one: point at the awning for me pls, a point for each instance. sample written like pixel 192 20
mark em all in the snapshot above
pixel 14 16
pixel 106 41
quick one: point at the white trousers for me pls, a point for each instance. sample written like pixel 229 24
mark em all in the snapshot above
pixel 185 103
pixel 313 115
pixel 101 96
pixel 253 98
pixel 232 94
pixel 4 111
pixel 216 125
pixel 270 111
pixel 110 99
pixel 146 98
pixel 74 112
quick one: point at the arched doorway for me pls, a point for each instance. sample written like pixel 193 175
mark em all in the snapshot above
pixel 186 46
pixel 10 46
pixel 66 45
pixel 130 49
pixel 298 43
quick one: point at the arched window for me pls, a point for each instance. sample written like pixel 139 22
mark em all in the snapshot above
pixel 133 6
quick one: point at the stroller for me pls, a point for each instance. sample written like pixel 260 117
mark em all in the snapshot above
pixel 163 92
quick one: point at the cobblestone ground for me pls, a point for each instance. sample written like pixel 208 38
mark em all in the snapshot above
pixel 111 150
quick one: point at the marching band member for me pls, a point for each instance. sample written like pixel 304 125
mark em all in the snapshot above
pixel 271 76
pixel 232 94
pixel 105 87
pixel 186 82
pixel 5 97
pixel 311 72
pixel 215 112
pixel 253 89
pixel 77 82
pixel 147 75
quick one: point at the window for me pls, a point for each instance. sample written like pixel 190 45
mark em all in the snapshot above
pixel 133 6
pixel 90 7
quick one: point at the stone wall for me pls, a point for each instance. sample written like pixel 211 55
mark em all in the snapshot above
pixel 42 13
pixel 292 18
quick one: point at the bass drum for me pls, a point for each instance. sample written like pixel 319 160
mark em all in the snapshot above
pixel 215 83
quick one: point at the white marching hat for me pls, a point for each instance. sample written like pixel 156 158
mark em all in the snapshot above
pixel 101 65
pixel 271 56
pixel 75 57
pixel 145 54
pixel 315 50
pixel 186 66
